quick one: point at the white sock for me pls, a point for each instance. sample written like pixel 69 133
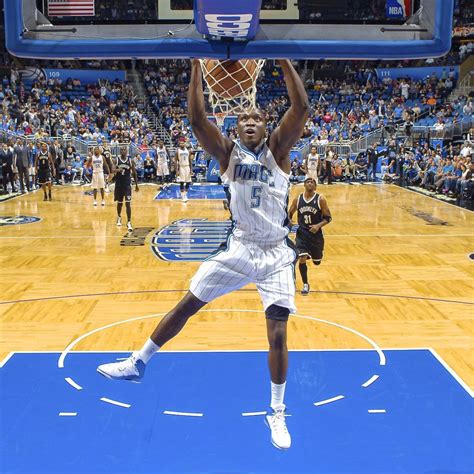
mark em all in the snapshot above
pixel 147 351
pixel 278 394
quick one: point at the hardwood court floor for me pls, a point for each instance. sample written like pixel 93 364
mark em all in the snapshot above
pixel 387 273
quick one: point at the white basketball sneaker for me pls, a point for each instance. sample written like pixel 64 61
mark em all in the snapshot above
pixel 305 289
pixel 119 222
pixel 129 226
pixel 281 438
pixel 131 369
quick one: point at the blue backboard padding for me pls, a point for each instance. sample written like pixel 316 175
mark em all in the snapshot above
pixel 269 49
pixel 232 19
pixel 427 427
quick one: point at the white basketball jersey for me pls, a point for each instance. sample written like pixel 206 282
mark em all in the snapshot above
pixel 98 164
pixel 183 157
pixel 313 162
pixel 161 155
pixel 259 196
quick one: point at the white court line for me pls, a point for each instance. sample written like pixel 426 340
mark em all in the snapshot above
pixel 72 383
pixel 382 358
pixel 115 402
pixel 65 352
pixel 254 413
pixel 182 413
pixel 329 400
pixel 461 382
pixel 67 413
pixel 6 359
pixel 370 381
pixel 377 411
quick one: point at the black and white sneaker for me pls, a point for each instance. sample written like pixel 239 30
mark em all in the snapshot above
pixel 305 289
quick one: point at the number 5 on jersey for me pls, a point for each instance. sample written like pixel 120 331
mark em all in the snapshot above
pixel 256 194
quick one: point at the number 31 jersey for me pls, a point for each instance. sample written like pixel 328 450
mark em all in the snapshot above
pixel 309 213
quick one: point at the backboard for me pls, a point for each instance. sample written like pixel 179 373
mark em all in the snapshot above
pixel 269 29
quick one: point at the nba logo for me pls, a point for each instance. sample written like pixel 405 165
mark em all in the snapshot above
pixel 398 8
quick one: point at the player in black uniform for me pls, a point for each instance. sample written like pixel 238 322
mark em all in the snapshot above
pixel 313 214
pixel 123 186
pixel 108 159
pixel 44 164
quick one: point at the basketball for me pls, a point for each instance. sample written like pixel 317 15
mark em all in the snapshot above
pixel 230 78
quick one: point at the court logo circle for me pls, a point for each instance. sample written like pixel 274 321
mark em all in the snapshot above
pixel 18 220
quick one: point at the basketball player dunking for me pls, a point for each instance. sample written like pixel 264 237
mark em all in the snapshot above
pixel 258 250
pixel 313 214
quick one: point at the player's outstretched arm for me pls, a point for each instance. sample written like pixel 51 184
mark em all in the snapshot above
pixel 292 124
pixel 206 132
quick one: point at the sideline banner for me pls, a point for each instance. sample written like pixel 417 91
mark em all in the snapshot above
pixel 86 76
pixel 416 73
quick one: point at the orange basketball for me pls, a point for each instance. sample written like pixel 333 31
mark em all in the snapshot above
pixel 229 78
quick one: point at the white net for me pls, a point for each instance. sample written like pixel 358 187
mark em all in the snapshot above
pixel 232 84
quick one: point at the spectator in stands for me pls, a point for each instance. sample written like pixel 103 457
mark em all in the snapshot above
pixel 349 168
pixel 149 170
pixel 465 185
pixel 361 166
pixel 139 166
pixel 447 172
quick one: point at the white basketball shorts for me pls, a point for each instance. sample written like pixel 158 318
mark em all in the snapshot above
pixel 271 269
pixel 98 180
pixel 162 169
pixel 184 175
pixel 312 174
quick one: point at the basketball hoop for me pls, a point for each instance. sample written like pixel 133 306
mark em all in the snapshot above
pixel 220 118
pixel 232 85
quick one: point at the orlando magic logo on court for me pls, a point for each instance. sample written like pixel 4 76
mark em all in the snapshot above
pixel 190 240
pixel 17 220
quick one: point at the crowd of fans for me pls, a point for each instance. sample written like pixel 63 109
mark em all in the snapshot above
pixel 440 170
pixel 103 111
pixel 342 109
